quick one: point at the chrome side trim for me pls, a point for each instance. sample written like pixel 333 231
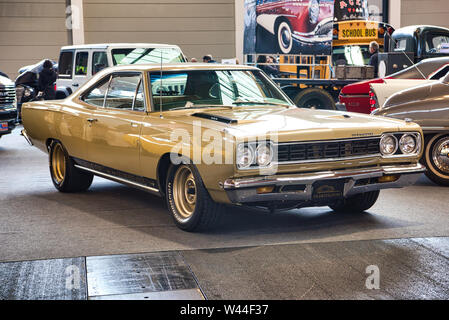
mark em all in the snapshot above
pixel 121 180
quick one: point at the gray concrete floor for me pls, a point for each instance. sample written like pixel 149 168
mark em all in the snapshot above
pixel 37 222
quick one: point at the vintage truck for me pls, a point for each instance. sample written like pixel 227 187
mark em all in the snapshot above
pixel 8 109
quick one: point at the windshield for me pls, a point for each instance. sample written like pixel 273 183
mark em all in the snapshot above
pixel 183 89
pixel 351 55
pixel 146 55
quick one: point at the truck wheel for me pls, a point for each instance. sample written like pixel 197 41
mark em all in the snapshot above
pixel 315 98
pixel 356 204
pixel 285 39
pixel 65 177
pixel 436 158
pixel 188 201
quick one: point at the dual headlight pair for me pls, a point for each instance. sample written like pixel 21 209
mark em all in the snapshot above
pixel 406 144
pixel 254 154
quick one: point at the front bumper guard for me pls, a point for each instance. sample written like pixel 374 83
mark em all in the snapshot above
pixel 244 190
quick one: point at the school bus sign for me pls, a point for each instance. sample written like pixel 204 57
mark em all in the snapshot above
pixel 358 31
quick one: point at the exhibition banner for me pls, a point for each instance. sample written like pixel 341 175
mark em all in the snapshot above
pixel 288 26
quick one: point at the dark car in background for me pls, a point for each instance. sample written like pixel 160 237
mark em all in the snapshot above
pixel 428 106
pixel 8 109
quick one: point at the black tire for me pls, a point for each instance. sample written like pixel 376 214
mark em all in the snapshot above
pixel 315 98
pixel 207 213
pixel 356 204
pixel 434 172
pixel 73 179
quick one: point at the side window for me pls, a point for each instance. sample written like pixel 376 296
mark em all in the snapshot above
pixel 95 96
pixel 401 45
pixel 437 43
pixel 139 102
pixel 65 64
pixel 122 90
pixel 99 61
pixel 440 73
pixel 81 63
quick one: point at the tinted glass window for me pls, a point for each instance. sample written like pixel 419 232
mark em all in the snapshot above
pixel 99 62
pixel 95 96
pixel 121 92
pixel 139 104
pixel 440 73
pixel 146 55
pixel 65 66
pixel 213 88
pixel 437 43
pixel 81 63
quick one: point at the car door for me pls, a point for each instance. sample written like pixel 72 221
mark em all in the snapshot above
pixel 80 69
pixel 115 127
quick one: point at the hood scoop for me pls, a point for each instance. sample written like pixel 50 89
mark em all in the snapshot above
pixel 212 117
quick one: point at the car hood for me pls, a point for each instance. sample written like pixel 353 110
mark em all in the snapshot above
pixel 5 81
pixel 288 123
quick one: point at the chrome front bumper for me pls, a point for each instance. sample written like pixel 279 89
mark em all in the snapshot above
pixel 244 190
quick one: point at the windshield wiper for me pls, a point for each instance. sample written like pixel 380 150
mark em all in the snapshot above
pixel 191 105
pixel 238 102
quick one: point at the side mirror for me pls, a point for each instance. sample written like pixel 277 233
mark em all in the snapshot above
pixel 446 78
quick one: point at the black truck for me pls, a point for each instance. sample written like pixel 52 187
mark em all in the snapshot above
pixel 8 110
pixel 410 45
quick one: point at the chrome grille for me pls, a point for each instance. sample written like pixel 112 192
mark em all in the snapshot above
pixel 7 95
pixel 329 150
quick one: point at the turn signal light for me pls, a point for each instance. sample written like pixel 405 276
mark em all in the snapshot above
pixel 390 178
pixel 335 32
pixel 381 31
pixel 267 189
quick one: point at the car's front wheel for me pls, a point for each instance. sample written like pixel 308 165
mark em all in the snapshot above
pixel 356 204
pixel 65 176
pixel 436 159
pixel 189 203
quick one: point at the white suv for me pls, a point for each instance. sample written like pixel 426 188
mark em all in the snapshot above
pixel 79 63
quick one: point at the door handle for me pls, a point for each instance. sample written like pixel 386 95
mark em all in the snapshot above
pixel 134 125
pixel 75 84
pixel 91 120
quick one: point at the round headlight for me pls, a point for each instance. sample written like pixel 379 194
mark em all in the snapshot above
pixel 245 156
pixel 407 144
pixel 314 11
pixel 264 155
pixel 388 145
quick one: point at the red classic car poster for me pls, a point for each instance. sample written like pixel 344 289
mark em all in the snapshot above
pixel 288 26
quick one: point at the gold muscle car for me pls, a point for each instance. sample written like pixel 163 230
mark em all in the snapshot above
pixel 206 135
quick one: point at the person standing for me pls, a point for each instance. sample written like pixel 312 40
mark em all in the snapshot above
pixel 374 59
pixel 47 78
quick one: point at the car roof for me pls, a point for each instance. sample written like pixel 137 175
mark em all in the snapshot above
pixel 119 45
pixel 178 67
pixel 409 31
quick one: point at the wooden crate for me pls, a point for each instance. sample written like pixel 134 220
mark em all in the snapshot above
pixel 354 72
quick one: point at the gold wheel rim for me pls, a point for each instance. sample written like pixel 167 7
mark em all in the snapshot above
pixel 184 192
pixel 58 163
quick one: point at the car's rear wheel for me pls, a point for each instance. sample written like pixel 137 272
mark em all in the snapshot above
pixel 315 98
pixel 189 203
pixel 436 158
pixel 356 204
pixel 65 177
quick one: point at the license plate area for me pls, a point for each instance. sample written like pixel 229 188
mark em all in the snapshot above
pixel 328 190
pixel 4 126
